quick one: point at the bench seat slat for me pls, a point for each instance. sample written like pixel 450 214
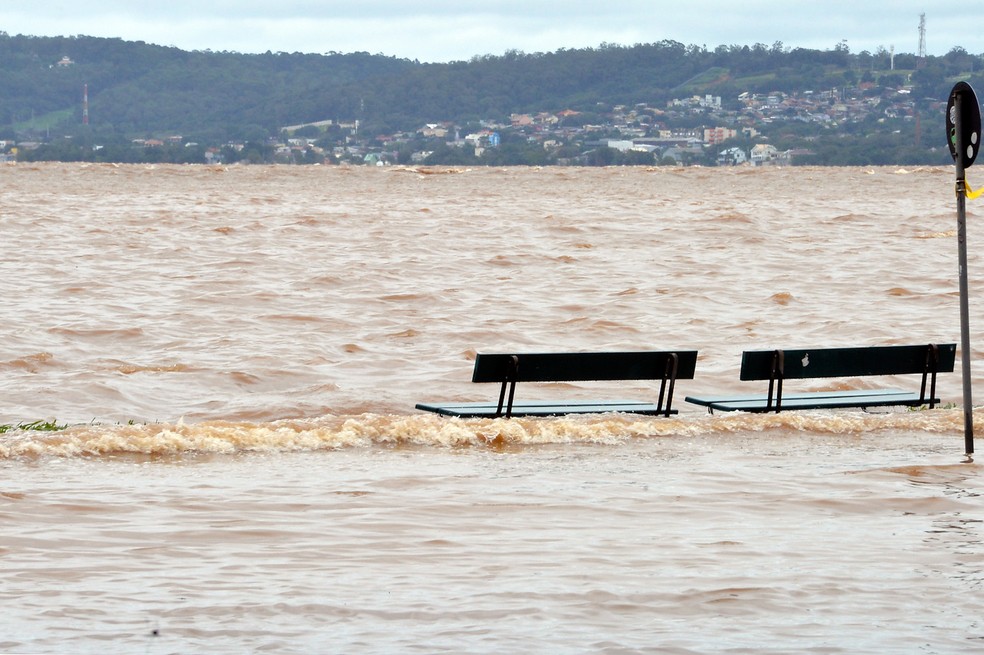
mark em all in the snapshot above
pixel 583 366
pixel 544 408
pixel 817 400
pixel 804 363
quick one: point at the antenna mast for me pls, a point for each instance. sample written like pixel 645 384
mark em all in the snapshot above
pixel 922 36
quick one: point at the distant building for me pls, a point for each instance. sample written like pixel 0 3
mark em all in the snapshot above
pixel 732 157
pixel 621 146
pixel 716 135
pixel 764 154
pixel 438 130
pixel 707 102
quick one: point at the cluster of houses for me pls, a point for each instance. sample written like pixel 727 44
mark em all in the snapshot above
pixel 626 129
pixel 647 129
pixel 677 146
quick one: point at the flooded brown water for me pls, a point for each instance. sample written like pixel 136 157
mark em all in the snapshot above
pixel 239 350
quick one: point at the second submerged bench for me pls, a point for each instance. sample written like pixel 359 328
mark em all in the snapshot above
pixel 779 365
pixel 510 368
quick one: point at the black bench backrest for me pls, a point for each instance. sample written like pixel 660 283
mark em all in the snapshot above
pixel 572 367
pixel 846 362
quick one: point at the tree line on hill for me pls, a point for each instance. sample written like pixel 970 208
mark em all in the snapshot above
pixel 139 90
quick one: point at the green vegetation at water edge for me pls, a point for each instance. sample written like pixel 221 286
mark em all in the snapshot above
pixel 40 426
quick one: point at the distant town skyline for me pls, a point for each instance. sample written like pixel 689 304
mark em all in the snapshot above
pixel 441 30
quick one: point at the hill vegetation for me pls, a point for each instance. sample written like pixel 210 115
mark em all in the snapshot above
pixel 211 99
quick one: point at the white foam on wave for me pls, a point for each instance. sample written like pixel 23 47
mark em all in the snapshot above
pixel 335 432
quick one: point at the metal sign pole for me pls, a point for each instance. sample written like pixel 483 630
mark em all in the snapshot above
pixel 963 137
pixel 968 403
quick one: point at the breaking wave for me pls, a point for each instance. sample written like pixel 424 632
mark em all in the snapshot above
pixel 387 431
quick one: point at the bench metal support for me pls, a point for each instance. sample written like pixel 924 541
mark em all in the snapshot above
pixel 669 377
pixel 932 364
pixel 775 380
pixel 511 376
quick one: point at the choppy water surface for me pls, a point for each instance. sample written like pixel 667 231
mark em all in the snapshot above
pixel 238 352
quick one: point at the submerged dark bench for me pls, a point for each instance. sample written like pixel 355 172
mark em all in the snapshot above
pixel 508 369
pixel 778 365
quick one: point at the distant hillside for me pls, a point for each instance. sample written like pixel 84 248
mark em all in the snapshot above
pixel 141 90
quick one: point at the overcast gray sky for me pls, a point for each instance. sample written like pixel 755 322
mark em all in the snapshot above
pixel 445 30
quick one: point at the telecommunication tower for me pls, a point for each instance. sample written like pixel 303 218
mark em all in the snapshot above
pixel 922 36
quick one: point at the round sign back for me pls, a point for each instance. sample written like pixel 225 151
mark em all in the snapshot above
pixel 963 105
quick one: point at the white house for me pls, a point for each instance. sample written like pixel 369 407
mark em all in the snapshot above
pixel 732 157
pixel 764 154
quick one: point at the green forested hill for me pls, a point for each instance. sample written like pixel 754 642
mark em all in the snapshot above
pixel 143 90
pixel 137 90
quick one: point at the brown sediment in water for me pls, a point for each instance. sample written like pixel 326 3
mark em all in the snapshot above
pixel 238 351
